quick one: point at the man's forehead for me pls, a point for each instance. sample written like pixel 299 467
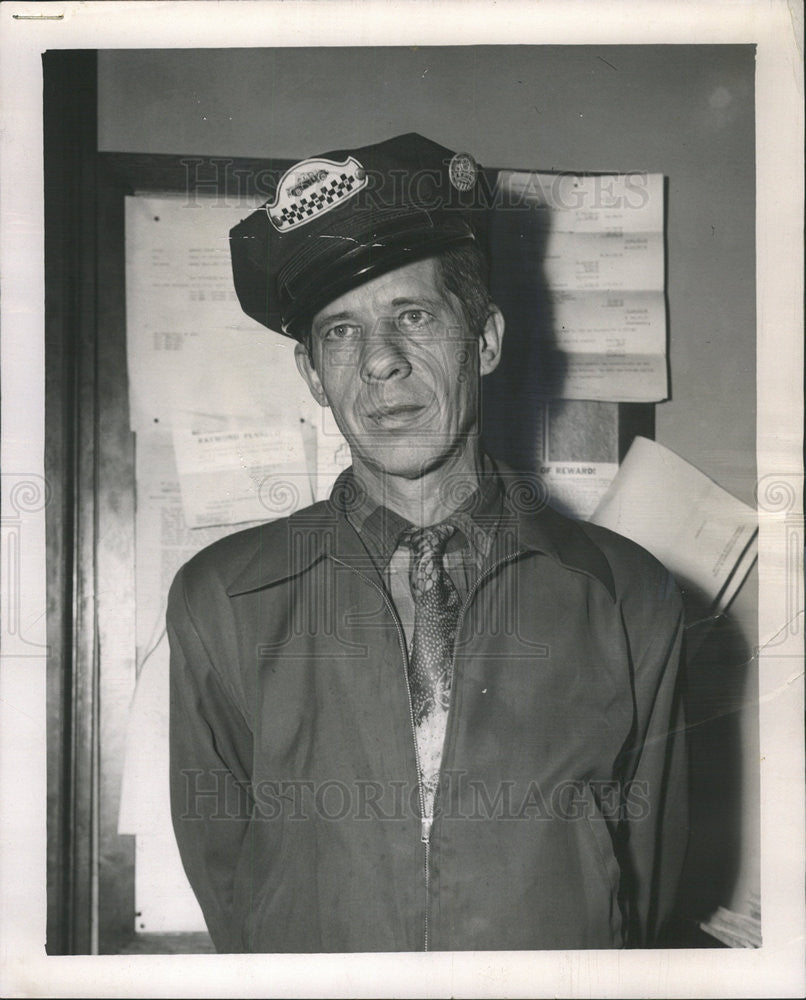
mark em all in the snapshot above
pixel 415 282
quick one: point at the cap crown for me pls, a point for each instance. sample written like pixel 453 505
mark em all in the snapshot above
pixel 337 220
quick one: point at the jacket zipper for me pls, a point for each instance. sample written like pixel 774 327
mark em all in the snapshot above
pixel 426 821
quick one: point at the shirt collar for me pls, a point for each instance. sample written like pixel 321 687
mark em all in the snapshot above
pixel 379 528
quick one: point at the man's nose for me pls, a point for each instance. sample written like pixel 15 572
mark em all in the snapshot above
pixel 384 356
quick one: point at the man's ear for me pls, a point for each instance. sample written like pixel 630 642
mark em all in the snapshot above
pixel 491 341
pixel 309 373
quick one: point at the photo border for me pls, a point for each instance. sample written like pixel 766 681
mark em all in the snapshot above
pixel 775 27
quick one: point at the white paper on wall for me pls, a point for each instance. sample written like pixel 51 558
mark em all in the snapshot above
pixel 189 345
pixel 704 536
pixel 601 263
pixel 230 473
pixel 163 542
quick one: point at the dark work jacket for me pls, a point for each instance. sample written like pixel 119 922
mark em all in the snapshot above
pixel 560 819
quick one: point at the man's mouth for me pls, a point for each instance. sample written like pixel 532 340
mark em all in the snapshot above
pixel 399 412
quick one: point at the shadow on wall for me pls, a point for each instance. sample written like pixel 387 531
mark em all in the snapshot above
pixel 531 369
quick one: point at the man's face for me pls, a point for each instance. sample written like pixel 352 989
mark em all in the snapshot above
pixel 395 361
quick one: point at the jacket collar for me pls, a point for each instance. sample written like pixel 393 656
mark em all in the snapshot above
pixel 289 547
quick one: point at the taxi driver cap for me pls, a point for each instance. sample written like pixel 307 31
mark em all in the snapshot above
pixel 340 219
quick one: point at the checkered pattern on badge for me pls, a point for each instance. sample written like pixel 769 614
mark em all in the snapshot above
pixel 327 196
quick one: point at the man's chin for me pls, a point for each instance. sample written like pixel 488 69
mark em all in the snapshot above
pixel 414 460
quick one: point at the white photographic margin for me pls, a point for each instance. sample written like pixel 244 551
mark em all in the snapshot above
pixel 775 26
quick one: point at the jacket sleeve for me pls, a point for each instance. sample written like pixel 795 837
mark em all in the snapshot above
pixel 656 766
pixel 210 762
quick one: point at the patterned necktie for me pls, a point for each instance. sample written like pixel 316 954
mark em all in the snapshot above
pixel 436 615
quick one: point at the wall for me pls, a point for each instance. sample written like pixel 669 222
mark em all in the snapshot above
pixel 684 111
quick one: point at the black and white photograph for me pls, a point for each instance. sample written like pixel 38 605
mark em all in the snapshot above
pixel 402 499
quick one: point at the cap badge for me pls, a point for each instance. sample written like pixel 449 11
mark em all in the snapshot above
pixel 463 171
pixel 313 187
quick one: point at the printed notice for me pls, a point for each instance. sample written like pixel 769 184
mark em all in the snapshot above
pixel 189 345
pixel 576 452
pixel 230 474
pixel 575 488
pixel 594 248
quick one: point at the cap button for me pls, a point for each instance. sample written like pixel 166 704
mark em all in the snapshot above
pixel 463 171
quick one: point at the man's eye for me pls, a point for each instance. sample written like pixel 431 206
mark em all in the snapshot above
pixel 342 331
pixel 414 319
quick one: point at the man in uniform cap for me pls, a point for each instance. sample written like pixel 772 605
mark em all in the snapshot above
pixel 429 712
